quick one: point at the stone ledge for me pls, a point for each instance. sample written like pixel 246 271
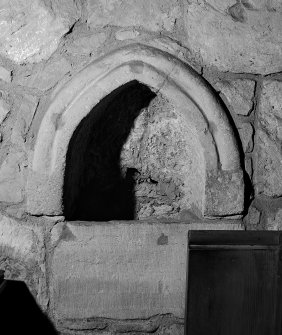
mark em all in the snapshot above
pixel 121 270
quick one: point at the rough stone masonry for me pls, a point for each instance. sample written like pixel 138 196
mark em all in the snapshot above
pixel 236 47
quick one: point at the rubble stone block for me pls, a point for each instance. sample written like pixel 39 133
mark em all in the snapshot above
pixel 254 216
pixel 12 179
pixel 22 256
pixel 238 94
pixel 47 77
pixel 268 172
pixel 274 222
pixel 246 132
pixel 224 194
pixel 29 32
pixel 26 109
pixel 85 44
pixel 230 35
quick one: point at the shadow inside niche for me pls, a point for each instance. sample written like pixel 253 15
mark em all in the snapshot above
pixel 19 312
pixel 95 187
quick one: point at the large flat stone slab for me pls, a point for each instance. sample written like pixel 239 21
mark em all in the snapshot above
pixel 121 270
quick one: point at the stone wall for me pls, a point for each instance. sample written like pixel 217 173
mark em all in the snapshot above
pixel 236 46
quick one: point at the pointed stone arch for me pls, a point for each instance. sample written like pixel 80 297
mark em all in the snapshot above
pixel 223 191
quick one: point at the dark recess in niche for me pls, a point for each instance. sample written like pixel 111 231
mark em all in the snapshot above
pixel 95 189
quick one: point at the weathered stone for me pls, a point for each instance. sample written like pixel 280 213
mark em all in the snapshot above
pixel 171 330
pixel 120 270
pixel 4 110
pixel 270 109
pixel 17 240
pixel 12 181
pixel 85 44
pixel 268 170
pixel 238 94
pixel 68 10
pixel 29 32
pixel 274 222
pixel 230 35
pixel 154 15
pixel 22 255
pixel 5 74
pixel 254 216
pixel 47 77
pixel 122 35
pixel 249 166
pixel 246 132
pixel 224 194
pixel 25 113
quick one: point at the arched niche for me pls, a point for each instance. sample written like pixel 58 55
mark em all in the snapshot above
pixel 222 193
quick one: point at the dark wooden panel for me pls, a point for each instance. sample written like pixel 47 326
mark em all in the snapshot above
pixel 233 292
pixel 221 237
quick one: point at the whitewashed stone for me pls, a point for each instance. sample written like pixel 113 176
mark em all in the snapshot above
pixel 47 77
pixel 238 94
pixel 246 132
pixel 268 170
pixel 233 36
pixel 5 75
pixel 28 31
pixel 12 179
pixel 153 15
pixel 4 110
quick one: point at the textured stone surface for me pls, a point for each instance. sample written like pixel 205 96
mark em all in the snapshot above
pixel 254 216
pixel 153 15
pixel 268 170
pixel 68 10
pixel 171 330
pixel 85 44
pixel 224 194
pixel 5 74
pixel 238 94
pixel 29 32
pixel 246 132
pixel 230 35
pixel 126 34
pixel 19 240
pixel 4 110
pixel 45 78
pixel 274 222
pixel 165 154
pixel 12 181
pixel 120 270
pixel 26 108
pixel 22 256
